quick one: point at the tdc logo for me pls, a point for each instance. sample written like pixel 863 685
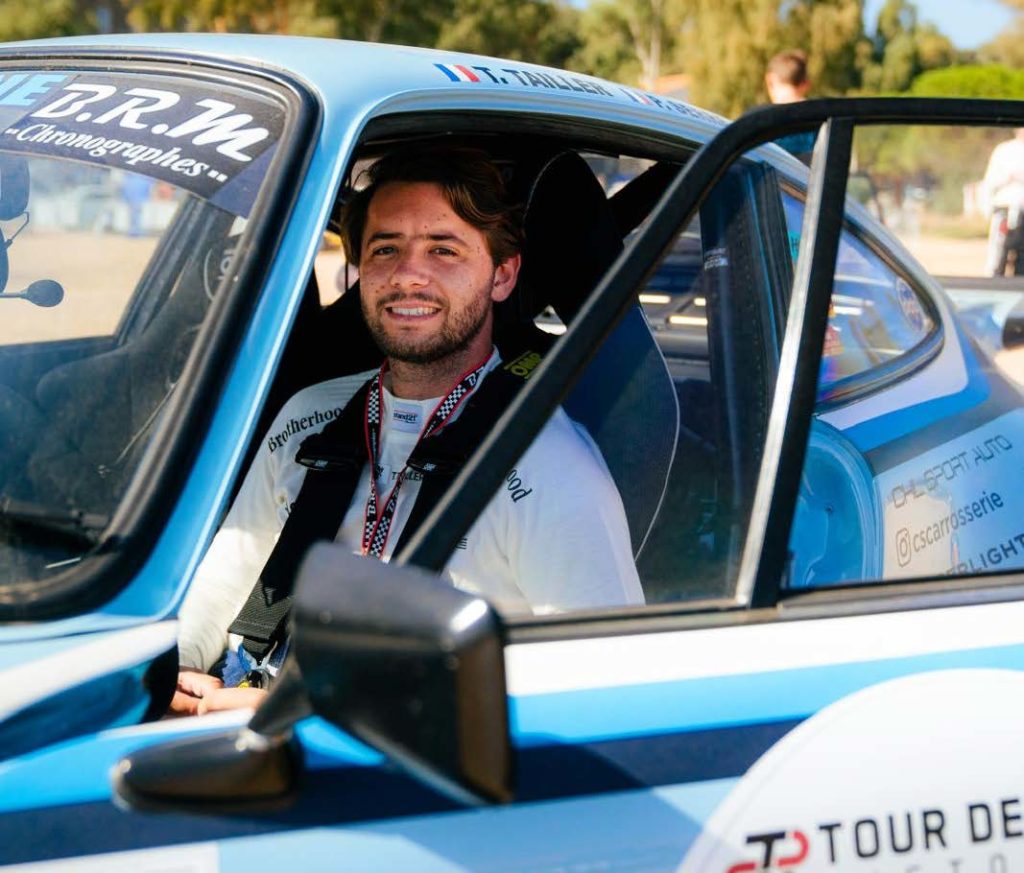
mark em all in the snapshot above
pixel 779 850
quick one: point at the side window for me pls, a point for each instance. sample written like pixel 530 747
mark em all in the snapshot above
pixel 913 463
pixel 689 553
pixel 647 499
pixel 687 440
pixel 875 318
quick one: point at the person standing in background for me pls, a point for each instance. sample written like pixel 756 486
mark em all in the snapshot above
pixel 1002 192
pixel 786 81
pixel 786 77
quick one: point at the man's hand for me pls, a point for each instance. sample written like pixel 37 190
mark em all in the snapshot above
pixel 193 687
pixel 199 693
pixel 231 698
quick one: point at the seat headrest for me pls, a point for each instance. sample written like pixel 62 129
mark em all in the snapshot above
pixel 571 239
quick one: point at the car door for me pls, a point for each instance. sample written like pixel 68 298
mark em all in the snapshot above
pixel 760 729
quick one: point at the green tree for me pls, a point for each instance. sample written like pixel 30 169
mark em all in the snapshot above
pixel 726 48
pixel 236 16
pixel 606 45
pixel 727 45
pixel 990 80
pixel 631 40
pixel 44 18
pixel 941 158
pixel 537 31
pixel 902 49
pixel 405 22
pixel 408 22
pixel 193 15
pixel 1007 48
pixel 832 33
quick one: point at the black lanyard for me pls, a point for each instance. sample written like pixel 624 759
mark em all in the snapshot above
pixel 376 529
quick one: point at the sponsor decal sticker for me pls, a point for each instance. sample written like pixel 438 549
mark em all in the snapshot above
pixel 215 265
pixel 954 509
pixel 911 306
pixel 716 258
pixel 780 850
pixel 187 133
pixel 550 80
pixel 921 774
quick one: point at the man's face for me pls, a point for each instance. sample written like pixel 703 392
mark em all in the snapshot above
pixel 427 277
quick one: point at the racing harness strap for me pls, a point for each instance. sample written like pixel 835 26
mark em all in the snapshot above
pixel 335 459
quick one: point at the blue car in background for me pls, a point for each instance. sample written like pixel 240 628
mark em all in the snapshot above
pixel 821 467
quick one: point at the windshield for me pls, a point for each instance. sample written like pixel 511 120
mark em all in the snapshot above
pixel 122 198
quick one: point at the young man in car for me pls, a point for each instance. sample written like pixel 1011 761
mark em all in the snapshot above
pixel 437 243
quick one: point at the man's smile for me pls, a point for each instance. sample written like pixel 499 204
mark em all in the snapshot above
pixel 411 309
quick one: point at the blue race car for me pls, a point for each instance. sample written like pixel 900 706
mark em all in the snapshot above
pixel 821 471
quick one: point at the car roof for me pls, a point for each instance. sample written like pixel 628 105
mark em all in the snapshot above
pixel 372 73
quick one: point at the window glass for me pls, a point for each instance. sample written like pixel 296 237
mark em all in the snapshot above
pixel 105 223
pixel 122 197
pixel 707 307
pixel 913 466
pixel 875 316
pixel 683 494
pixel 659 443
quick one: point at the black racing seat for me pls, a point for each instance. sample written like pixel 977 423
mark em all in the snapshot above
pixel 625 398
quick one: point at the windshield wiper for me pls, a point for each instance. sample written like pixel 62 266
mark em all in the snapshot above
pixel 82 527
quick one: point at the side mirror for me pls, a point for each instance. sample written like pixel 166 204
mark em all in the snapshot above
pixel 14 190
pixel 393 655
pixel 410 665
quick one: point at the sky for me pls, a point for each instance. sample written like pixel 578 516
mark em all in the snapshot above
pixel 969 23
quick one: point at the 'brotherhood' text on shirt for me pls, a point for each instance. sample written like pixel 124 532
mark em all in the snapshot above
pixel 298 425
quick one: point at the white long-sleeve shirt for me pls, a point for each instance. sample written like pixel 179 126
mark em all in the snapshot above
pixel 1003 184
pixel 554 538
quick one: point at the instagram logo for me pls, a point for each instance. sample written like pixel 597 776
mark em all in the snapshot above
pixel 903 546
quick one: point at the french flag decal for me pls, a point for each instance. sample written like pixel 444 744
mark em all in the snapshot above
pixel 458 73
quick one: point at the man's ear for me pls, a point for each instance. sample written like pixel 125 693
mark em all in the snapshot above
pixel 505 276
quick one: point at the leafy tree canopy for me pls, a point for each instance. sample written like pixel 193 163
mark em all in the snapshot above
pixel 902 49
pixel 1007 48
pixel 728 44
pixel 970 81
pixel 535 30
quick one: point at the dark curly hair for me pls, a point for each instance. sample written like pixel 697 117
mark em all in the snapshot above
pixel 472 185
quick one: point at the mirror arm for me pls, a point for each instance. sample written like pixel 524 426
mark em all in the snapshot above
pixel 255 768
pixel 285 705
